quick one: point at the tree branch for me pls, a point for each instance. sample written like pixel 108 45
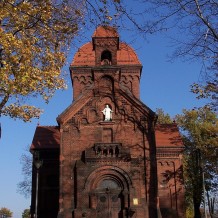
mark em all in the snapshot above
pixel 4 101
pixel 201 16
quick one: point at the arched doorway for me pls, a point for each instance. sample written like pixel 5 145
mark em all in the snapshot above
pixel 110 199
pixel 109 192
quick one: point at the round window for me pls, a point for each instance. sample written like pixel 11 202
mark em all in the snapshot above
pixel 102 198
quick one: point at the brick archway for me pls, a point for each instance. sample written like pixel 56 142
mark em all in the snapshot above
pixel 108 189
pixel 115 173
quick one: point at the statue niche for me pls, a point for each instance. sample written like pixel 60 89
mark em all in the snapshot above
pixel 107 113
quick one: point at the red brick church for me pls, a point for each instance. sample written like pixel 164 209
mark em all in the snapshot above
pixel 107 158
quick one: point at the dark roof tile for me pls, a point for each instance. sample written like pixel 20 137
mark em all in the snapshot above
pixel 46 137
pixel 168 135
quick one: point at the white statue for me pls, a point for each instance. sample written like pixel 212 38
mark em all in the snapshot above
pixel 107 113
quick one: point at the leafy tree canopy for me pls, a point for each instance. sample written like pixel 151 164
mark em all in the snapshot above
pixel 34 38
pixel 200 127
pixel 163 118
pixel 200 130
pixel 5 212
pixel 26 213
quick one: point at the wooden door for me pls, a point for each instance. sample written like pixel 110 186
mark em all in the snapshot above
pixel 109 204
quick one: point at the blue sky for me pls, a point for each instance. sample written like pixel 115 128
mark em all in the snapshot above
pixel 163 85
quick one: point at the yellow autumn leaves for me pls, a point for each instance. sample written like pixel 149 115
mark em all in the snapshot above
pixel 34 37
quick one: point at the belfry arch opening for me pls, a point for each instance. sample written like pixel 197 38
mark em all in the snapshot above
pixel 106 57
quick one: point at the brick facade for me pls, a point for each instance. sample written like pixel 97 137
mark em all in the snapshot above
pixel 109 168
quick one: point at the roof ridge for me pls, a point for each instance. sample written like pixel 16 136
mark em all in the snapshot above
pixel 48 126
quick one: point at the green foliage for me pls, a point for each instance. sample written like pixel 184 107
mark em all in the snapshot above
pixel 200 130
pixel 5 212
pixel 26 213
pixel 163 118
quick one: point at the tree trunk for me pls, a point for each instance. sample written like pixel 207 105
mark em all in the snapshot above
pixel 197 213
pixel 211 202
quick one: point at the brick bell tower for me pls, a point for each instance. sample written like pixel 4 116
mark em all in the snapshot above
pixel 107 148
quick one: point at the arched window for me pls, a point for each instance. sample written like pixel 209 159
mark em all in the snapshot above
pixel 106 57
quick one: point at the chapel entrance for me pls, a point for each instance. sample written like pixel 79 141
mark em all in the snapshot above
pixel 110 200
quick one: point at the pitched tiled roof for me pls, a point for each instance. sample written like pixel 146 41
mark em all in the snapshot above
pixel 126 55
pixel 105 31
pixel 168 135
pixel 46 137
pixel 85 56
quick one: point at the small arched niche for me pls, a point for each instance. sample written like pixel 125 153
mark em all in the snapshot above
pixel 106 84
pixel 106 57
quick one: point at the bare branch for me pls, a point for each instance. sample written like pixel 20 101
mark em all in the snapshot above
pixel 201 16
